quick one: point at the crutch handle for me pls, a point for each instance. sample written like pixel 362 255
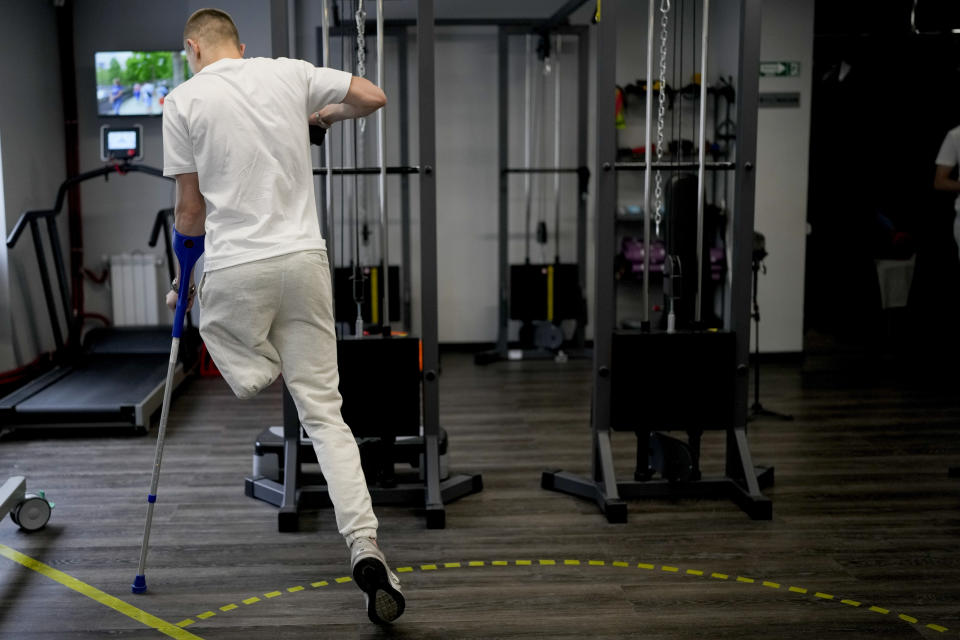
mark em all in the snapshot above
pixel 188 250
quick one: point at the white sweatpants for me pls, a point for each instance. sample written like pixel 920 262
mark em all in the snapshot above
pixel 273 316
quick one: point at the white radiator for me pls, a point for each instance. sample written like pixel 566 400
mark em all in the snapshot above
pixel 135 284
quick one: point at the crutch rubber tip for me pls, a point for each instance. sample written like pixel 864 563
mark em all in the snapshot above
pixel 139 584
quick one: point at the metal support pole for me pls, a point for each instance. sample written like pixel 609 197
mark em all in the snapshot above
pixel 279 29
pixel 606 199
pixel 428 257
pixel 74 325
pixel 744 194
pixel 382 157
pixel 328 159
pixel 527 150
pixel 583 176
pixel 404 110
pixel 556 143
pixel 704 31
pixel 503 122
pixel 47 287
pixel 292 29
pixel 648 172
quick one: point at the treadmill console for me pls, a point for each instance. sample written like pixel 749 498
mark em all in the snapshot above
pixel 121 143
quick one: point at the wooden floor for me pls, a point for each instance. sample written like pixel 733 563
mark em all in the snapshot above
pixel 865 517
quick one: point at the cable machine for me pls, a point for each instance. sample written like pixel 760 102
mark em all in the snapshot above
pixel 541 294
pixel 687 377
pixel 370 293
pixel 401 372
pixel 397 285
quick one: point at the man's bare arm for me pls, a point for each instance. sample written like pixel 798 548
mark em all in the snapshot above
pixel 362 99
pixel 942 180
pixel 190 216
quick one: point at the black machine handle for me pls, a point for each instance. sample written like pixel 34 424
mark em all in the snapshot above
pixel 122 169
pixel 351 171
pixel 161 224
pixel 65 186
pixel 158 224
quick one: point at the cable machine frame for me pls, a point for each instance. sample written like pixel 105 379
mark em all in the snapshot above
pixel 501 350
pixel 432 492
pixel 400 34
pixel 741 482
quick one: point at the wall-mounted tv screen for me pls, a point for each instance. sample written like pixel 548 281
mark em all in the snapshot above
pixel 134 83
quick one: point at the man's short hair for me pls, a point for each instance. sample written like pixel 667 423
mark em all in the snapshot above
pixel 213 26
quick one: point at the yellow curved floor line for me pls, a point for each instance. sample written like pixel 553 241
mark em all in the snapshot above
pixel 767 584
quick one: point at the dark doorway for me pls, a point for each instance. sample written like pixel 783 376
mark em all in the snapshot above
pixel 884 96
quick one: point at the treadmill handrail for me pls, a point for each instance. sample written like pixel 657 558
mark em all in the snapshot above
pixel 159 224
pixel 25 218
pixel 65 186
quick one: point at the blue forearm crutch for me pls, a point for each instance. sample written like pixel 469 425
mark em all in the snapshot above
pixel 188 250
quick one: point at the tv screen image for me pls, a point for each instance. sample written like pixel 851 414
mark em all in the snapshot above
pixel 135 83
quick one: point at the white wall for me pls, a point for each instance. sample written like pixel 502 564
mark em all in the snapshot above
pixel 467 184
pixel 783 152
pixel 31 143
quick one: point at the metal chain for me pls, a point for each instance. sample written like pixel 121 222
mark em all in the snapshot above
pixel 660 208
pixel 361 19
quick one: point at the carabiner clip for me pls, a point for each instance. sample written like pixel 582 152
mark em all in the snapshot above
pixel 664 6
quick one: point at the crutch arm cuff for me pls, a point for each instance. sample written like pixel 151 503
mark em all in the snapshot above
pixel 188 250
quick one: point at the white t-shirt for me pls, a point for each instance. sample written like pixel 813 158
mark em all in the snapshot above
pixel 241 125
pixel 949 155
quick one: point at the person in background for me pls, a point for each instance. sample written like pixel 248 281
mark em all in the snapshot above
pixel 947 160
pixel 146 94
pixel 116 96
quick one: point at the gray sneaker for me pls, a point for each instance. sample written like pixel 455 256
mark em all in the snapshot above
pixel 380 585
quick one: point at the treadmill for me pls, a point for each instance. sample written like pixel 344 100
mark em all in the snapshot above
pixel 116 376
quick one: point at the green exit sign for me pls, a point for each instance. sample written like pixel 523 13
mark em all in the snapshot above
pixel 779 69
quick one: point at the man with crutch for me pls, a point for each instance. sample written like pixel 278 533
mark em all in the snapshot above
pixel 235 137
